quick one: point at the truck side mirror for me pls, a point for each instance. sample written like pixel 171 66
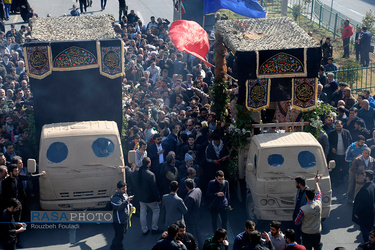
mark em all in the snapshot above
pixel 250 167
pixel 331 165
pixel 132 156
pixel 31 166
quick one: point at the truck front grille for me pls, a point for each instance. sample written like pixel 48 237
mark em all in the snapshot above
pixel 83 194
pixel 102 192
pixel 64 195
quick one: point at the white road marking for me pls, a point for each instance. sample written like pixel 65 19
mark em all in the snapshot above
pixel 356 12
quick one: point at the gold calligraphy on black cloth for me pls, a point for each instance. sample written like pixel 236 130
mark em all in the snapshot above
pixel 304 93
pixel 38 61
pixel 257 94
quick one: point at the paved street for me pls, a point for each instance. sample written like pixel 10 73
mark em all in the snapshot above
pixel 354 9
pixel 338 230
pixel 144 9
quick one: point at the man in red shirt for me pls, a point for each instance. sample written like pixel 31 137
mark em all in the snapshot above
pixel 347 32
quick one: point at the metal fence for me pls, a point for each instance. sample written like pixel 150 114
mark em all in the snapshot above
pixel 323 15
pixel 357 78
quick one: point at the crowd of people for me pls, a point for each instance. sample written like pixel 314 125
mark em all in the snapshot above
pixel 181 151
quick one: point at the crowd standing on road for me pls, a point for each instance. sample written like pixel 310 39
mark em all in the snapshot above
pixel 181 149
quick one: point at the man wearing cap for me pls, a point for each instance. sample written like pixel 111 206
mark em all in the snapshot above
pixel 189 163
pixel 347 32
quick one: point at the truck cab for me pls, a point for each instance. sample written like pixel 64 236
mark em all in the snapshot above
pixel 83 162
pixel 273 162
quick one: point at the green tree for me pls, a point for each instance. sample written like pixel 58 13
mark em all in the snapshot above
pixel 369 21
pixel 296 11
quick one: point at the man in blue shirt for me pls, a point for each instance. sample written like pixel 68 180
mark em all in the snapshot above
pixel 331 66
pixel 74 11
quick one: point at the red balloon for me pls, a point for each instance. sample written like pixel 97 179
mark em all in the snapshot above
pixel 190 37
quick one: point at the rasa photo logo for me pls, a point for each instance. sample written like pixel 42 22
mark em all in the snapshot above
pixel 71 217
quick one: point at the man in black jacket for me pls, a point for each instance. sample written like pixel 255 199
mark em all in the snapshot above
pixel 186 238
pixel 121 206
pixel 218 199
pixel 364 206
pixel 339 141
pixel 12 188
pixel 148 195
pixel 9 228
pixel 170 242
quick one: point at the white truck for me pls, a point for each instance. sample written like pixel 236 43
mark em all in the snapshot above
pixel 83 162
pixel 270 166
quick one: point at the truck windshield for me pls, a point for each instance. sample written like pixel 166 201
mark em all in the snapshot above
pixel 103 147
pixel 57 152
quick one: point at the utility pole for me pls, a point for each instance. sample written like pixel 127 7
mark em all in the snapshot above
pixel 177 15
pixel 284 8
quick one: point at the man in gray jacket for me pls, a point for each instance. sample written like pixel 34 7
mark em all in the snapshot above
pixel 193 201
pixel 173 207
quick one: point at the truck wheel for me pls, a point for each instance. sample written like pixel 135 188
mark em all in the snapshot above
pixel 250 209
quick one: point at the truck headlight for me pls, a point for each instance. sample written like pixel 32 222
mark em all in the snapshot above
pixel 271 202
pixel 263 202
pixel 326 199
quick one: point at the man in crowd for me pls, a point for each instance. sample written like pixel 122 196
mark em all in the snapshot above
pixel 364 204
pixel 186 238
pixel 276 236
pixel 347 32
pixel 172 207
pixel 148 196
pixel 327 50
pixel 309 217
pixel 170 242
pixel 218 241
pixel 290 238
pixel 9 227
pixel 218 199
pixel 359 165
pixel 122 207
pixel 193 201
pixel 339 141
pixel 365 46
pixel 370 244
pixel 243 239
pixel 367 113
pixel 349 122
pixel 351 153
pixel 300 201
